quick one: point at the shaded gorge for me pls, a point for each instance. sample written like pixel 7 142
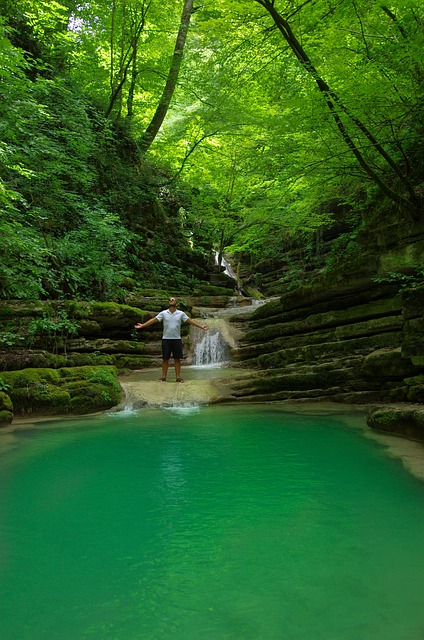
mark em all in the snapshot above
pixel 210 522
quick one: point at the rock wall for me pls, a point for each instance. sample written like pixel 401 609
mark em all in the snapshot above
pixel 359 343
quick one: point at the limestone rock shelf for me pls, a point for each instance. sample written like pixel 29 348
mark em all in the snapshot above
pixel 357 344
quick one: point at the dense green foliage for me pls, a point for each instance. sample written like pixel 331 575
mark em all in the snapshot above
pixel 283 118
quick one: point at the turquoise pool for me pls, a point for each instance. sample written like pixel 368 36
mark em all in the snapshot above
pixel 220 522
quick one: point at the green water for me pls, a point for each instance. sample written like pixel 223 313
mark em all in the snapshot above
pixel 240 523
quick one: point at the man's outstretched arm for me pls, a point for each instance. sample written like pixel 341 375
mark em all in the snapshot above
pixel 200 326
pixel 143 325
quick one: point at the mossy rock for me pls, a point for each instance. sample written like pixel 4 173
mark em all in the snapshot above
pixel 6 403
pixel 112 314
pixel 267 310
pixel 415 393
pixel 405 422
pixel 105 345
pixel 97 315
pixel 211 290
pixel 413 344
pixel 145 303
pixel 45 399
pixel 303 381
pixel 206 300
pixel 89 359
pixel 415 389
pixel 47 360
pixel 386 363
pixel 359 320
pixel 86 372
pixel 313 352
pixel 89 328
pixel 414 380
pixel 6 417
pixel 6 409
pixel 90 396
pixel 91 387
pixel 133 362
pixel 49 391
pixel 413 303
pixel 31 377
pixel 15 361
pixel 19 309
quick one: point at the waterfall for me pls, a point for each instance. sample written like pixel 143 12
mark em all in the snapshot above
pixel 211 350
pixel 227 267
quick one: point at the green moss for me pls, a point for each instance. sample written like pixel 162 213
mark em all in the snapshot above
pixel 111 308
pixel 89 359
pixel 267 310
pixel 386 363
pixel 413 303
pixel 133 362
pixel 385 417
pixel 269 332
pixel 416 393
pixel 42 399
pixel 91 387
pixel 95 314
pixel 43 360
pixel 6 417
pixel 5 402
pixel 280 380
pixel 89 328
pixel 306 353
pixel 415 380
pixel 403 421
pixel 89 397
pixel 84 373
pixel 20 309
pixel 30 377
pixel 47 361
pixel 211 290
pixel 52 391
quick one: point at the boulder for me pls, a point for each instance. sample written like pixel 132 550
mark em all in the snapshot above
pixel 403 421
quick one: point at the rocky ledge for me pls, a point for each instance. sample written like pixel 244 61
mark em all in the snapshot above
pixel 358 344
pixel 407 421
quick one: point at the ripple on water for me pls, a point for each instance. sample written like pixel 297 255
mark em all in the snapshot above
pixel 184 409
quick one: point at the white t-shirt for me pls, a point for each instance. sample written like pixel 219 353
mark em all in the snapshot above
pixel 172 323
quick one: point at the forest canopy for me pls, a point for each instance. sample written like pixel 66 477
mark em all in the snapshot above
pixel 137 135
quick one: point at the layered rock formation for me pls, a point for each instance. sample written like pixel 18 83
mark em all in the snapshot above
pixel 360 343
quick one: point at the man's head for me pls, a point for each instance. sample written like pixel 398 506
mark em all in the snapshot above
pixel 172 302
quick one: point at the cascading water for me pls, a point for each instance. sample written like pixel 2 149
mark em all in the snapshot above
pixel 227 267
pixel 211 350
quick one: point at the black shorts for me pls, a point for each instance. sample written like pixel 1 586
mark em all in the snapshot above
pixel 172 347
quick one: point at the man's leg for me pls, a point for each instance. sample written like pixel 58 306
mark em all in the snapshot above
pixel 165 365
pixel 166 354
pixel 177 349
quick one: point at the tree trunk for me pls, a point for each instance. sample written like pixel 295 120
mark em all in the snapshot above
pixel 152 130
pixel 127 61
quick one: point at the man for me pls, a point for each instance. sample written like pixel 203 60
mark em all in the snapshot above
pixel 171 338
